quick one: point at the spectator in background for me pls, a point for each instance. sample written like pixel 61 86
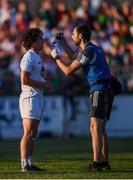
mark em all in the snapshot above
pixel 5 11
pixel 47 13
pixel 95 6
pixel 84 7
pixel 24 11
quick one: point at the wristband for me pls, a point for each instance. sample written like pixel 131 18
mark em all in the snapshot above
pixel 57 57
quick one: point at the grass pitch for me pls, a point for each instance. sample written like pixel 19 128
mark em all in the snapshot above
pixel 67 159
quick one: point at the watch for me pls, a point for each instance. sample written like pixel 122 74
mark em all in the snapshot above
pixel 57 57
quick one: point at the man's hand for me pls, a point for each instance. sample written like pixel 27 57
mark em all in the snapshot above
pixel 55 54
pixel 59 35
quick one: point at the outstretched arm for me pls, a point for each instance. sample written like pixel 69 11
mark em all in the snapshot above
pixel 67 69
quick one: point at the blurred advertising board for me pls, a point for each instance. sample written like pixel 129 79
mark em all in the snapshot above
pixel 66 117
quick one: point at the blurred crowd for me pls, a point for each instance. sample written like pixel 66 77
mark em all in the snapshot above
pixel 112 28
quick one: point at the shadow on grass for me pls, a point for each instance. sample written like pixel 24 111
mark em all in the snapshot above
pixel 86 170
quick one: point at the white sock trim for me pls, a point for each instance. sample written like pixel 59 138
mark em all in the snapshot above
pixel 24 162
pixel 30 161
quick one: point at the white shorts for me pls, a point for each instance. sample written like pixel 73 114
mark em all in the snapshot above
pixel 31 107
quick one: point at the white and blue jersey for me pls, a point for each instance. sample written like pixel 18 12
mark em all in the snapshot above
pixel 95 67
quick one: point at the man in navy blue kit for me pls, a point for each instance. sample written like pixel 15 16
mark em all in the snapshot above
pixel 91 58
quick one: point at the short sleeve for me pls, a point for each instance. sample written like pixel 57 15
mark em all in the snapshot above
pixel 87 56
pixel 26 64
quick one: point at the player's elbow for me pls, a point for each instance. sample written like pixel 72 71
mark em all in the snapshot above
pixel 25 81
pixel 67 72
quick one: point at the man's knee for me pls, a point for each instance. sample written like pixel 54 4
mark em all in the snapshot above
pixel 96 125
pixel 91 127
pixel 34 136
pixel 31 134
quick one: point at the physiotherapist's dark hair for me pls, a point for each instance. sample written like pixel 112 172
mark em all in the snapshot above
pixel 30 36
pixel 85 30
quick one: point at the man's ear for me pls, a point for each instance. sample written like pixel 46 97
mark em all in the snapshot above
pixel 80 36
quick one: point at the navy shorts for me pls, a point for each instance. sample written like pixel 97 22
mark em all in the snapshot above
pixel 101 104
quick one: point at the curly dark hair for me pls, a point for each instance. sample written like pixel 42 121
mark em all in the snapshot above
pixel 30 36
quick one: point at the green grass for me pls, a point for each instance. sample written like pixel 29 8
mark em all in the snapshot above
pixel 67 158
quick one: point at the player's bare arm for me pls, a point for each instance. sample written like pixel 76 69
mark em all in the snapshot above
pixel 26 80
pixel 68 70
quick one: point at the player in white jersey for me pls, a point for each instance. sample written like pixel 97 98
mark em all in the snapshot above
pixel 31 99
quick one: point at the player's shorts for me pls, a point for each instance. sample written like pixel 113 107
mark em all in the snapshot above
pixel 31 107
pixel 101 104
